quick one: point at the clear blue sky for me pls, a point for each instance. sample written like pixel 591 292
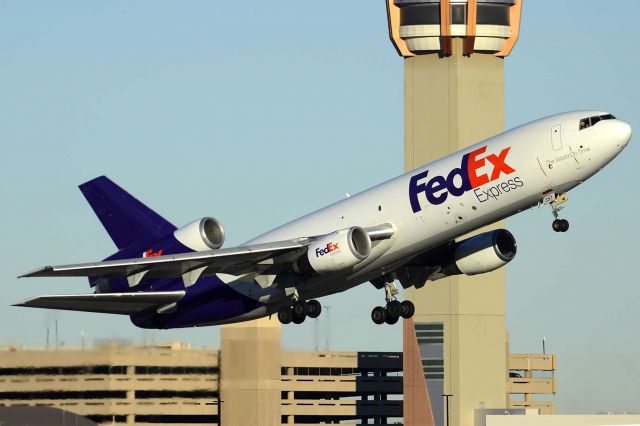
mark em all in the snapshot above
pixel 256 114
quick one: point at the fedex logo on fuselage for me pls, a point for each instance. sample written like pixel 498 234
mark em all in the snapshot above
pixel 331 247
pixel 461 179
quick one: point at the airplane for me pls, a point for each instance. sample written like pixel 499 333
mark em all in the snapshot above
pixel 408 230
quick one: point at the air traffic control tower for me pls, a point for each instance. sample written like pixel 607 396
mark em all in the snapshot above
pixel 453 53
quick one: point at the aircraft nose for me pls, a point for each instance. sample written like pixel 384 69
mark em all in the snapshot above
pixel 622 133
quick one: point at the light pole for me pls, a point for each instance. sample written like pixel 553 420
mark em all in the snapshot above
pixel 447 396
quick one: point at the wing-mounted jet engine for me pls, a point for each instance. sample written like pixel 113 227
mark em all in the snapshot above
pixel 482 253
pixel 475 255
pixel 335 252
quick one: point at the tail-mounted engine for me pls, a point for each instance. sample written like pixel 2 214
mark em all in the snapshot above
pixel 336 251
pixel 201 235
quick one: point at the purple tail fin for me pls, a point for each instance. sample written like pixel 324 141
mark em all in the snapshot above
pixel 125 218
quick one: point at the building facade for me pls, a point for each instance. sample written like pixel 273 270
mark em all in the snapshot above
pixel 176 384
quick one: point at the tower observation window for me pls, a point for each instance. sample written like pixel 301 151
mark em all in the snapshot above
pixel 458 14
pixel 591 121
pixel 493 14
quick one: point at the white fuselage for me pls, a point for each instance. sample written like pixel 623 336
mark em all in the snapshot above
pixel 515 172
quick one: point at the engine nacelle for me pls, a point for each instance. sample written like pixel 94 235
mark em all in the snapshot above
pixel 485 252
pixel 336 251
pixel 201 235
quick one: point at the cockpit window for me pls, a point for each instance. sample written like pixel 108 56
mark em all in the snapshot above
pixel 591 121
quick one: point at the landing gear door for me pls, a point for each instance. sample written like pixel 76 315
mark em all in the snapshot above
pixel 556 137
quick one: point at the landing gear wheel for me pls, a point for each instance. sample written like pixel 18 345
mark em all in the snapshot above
pixel 560 225
pixel 379 315
pixel 285 315
pixel 300 309
pixel 407 310
pixel 394 309
pixel 392 320
pixel 314 307
pixel 298 320
pixel 557 225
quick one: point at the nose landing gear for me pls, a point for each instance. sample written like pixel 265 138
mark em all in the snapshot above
pixel 556 201
pixel 394 309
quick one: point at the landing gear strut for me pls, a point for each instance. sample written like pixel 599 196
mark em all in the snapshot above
pixel 299 311
pixel 394 309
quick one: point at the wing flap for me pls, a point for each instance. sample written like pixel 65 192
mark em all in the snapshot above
pixel 108 303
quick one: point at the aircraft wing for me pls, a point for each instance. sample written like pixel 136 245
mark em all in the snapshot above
pixel 109 303
pixel 231 260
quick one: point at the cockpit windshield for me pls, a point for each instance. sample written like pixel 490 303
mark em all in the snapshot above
pixel 591 121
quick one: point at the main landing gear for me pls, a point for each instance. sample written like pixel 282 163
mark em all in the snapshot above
pixel 299 311
pixel 555 201
pixel 394 309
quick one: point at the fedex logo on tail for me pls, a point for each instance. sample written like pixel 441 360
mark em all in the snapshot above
pixel 476 169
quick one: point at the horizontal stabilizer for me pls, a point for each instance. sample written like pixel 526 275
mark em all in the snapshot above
pixel 108 303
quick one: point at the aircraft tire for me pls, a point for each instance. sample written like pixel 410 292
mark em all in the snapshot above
pixel 299 320
pixel 565 225
pixel 285 315
pixel 379 315
pixel 394 309
pixel 300 309
pixel 392 320
pixel 408 309
pixel 314 308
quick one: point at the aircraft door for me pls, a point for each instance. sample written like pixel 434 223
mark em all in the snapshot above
pixel 556 137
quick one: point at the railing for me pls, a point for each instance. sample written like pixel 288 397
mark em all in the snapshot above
pixel 123 407
pixel 545 407
pixel 384 384
pixel 541 362
pixel 531 385
pixel 122 382
pixel 342 407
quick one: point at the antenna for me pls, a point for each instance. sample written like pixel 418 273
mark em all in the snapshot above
pixel 316 334
pixel 57 340
pixel 328 328
pixel 47 337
